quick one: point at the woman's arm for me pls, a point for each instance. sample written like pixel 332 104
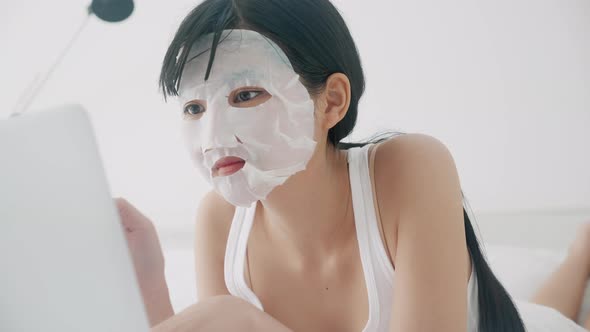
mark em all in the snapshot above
pixel 221 313
pixel 157 303
pixel 431 257
pixel 212 225
pixel 148 261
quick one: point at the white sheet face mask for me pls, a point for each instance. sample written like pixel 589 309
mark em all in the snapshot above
pixel 274 137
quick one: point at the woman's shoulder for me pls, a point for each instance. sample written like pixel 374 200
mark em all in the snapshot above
pixel 410 160
pixel 409 171
pixel 212 225
pixel 214 209
pixel 214 217
pixel 409 149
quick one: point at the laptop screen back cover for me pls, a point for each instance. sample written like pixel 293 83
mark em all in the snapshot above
pixel 65 264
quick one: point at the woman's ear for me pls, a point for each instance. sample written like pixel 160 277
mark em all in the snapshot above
pixel 334 100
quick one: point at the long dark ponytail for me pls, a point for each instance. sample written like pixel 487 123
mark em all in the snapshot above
pixel 315 38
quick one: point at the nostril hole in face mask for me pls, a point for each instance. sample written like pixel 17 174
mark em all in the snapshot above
pixel 238 139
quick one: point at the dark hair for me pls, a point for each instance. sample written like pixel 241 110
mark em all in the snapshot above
pixel 315 38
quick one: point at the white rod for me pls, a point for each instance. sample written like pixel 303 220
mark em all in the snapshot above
pixel 33 89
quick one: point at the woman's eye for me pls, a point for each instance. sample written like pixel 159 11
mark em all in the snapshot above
pixel 244 96
pixel 193 109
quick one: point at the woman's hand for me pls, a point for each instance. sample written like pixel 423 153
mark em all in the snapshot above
pixel 143 243
pixel 148 261
pixel 220 314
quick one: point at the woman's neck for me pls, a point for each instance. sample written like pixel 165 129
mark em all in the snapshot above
pixel 310 215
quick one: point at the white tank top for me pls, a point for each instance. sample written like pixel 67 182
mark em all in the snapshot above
pixel 377 268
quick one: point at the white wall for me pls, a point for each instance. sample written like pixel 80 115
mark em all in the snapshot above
pixel 505 84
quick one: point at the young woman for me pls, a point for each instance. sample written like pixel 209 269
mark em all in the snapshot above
pixel 306 232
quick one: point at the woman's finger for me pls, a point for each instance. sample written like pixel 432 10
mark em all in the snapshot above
pixel 131 217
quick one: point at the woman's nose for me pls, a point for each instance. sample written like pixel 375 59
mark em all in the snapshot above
pixel 219 134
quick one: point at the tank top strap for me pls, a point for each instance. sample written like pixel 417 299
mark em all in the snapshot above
pixel 235 255
pixel 357 158
pixel 379 273
pixel 363 194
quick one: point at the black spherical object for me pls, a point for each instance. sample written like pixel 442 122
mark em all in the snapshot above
pixel 112 10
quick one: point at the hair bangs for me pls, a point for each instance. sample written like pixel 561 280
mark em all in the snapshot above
pixel 208 17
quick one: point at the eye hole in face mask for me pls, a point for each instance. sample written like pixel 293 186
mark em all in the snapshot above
pixel 194 109
pixel 248 97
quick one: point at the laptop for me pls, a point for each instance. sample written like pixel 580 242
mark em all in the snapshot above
pixel 64 261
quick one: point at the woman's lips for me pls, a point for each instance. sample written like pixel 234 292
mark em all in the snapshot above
pixel 227 166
